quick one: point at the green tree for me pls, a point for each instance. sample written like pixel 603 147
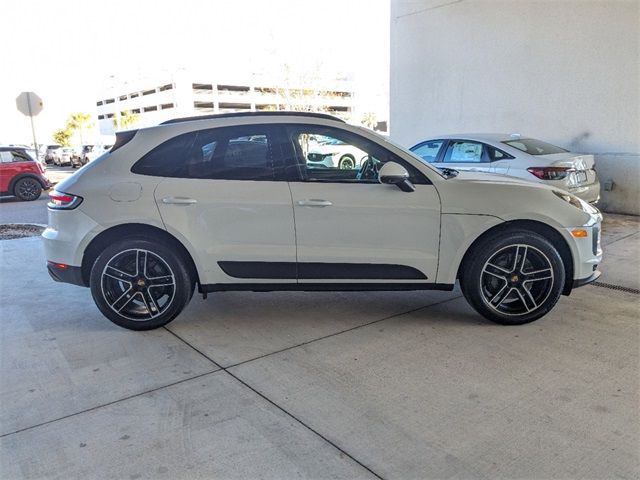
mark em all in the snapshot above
pixel 369 120
pixel 125 119
pixel 77 122
pixel 63 136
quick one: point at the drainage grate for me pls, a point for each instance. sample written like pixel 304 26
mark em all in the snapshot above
pixel 620 288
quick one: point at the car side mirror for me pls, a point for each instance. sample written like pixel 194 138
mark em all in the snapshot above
pixel 393 173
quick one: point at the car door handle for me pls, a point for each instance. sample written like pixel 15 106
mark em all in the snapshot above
pixel 179 201
pixel 314 202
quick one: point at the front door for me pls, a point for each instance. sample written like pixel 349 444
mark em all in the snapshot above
pixel 349 227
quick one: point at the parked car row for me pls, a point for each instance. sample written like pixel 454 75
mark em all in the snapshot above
pixel 74 156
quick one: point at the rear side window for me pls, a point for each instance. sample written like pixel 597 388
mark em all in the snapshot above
pixel 464 152
pixel 534 147
pixel 9 156
pixel 233 153
pixel 496 154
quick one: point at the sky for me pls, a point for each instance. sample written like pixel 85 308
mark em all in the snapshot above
pixel 65 50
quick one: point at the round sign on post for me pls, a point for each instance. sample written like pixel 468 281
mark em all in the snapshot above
pixel 30 104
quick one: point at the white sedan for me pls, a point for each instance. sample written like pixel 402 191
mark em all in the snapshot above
pixel 525 158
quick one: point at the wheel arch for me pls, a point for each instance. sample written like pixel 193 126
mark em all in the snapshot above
pixel 126 230
pixel 537 227
pixel 20 176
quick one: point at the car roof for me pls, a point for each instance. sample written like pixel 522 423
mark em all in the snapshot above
pixel 481 137
pixel 15 147
pixel 325 116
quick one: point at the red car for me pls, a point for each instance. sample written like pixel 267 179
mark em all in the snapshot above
pixel 21 175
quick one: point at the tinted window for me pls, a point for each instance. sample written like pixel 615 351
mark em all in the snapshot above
pixel 21 156
pixel 534 147
pixel 235 153
pixel 464 152
pixel 325 154
pixel 428 151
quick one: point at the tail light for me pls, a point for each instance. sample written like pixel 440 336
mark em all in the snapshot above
pixel 551 173
pixel 63 201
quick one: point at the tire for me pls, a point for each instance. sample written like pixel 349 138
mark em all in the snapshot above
pixel 27 189
pixel 513 278
pixel 122 291
pixel 347 162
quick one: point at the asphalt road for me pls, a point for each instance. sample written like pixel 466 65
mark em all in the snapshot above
pixel 13 210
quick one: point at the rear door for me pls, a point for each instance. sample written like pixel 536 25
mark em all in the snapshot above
pixel 466 155
pixel 222 196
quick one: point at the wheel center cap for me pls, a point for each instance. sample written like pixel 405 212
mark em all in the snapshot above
pixel 141 283
pixel 515 278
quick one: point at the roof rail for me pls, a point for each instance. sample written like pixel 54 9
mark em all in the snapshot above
pixel 326 116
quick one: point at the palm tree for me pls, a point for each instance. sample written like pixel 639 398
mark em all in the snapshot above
pixel 78 122
pixel 124 119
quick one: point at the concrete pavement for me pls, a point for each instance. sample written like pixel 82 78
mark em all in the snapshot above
pixel 319 385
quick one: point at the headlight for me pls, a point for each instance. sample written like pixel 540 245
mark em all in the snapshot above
pixel 576 202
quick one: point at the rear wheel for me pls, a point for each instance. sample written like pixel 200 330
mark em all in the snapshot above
pixel 139 284
pixel 27 189
pixel 513 278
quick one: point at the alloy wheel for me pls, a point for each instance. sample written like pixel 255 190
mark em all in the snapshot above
pixel 516 280
pixel 28 189
pixel 138 284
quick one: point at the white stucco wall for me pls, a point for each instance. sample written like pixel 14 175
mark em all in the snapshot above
pixel 567 72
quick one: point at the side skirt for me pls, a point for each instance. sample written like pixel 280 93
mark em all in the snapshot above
pixel 320 287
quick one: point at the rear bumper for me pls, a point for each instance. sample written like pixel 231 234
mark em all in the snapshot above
pixel 66 273
pixel 589 193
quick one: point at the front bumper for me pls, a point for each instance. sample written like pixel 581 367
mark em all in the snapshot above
pixel 580 282
pixel 587 253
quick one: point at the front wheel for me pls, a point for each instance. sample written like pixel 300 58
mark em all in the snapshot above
pixel 139 284
pixel 513 278
pixel 347 162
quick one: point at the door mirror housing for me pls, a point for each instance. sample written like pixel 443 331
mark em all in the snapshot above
pixel 393 173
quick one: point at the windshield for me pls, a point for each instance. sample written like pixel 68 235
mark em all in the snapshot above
pixel 534 147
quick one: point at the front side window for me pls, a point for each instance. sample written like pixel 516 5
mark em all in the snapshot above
pixel 428 151
pixel 230 153
pixel 534 147
pixel 464 152
pixel 326 154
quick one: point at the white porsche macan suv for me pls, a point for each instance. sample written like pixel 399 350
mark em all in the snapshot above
pixel 231 202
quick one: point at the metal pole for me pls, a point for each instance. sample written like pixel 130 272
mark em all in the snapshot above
pixel 33 130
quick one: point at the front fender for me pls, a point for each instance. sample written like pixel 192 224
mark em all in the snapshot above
pixel 458 232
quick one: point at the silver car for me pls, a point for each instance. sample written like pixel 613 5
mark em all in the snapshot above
pixel 512 155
